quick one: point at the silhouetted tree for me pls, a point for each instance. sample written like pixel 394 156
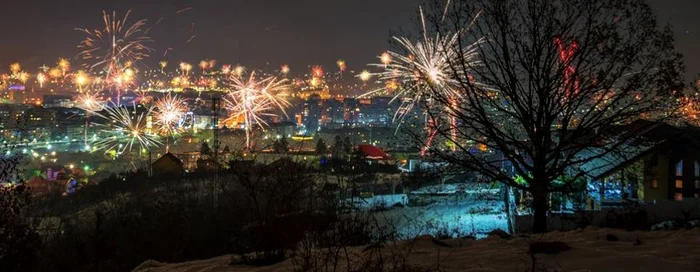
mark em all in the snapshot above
pixel 338 150
pixel 204 149
pixel 347 145
pixel 552 79
pixel 281 145
pixel 321 148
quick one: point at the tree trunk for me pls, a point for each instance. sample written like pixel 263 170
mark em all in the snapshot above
pixel 540 206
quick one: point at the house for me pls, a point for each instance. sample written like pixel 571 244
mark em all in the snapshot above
pixel 372 153
pixel 168 165
pixel 207 165
pixel 661 163
pixel 189 159
pixel 40 186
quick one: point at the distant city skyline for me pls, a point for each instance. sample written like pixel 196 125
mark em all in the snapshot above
pixel 259 34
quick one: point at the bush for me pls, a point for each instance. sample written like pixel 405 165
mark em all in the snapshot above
pixel 629 218
pixel 19 241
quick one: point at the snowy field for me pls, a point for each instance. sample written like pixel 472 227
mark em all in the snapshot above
pixel 453 219
pixel 469 215
pixel 591 250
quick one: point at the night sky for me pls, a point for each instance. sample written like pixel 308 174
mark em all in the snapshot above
pixel 254 33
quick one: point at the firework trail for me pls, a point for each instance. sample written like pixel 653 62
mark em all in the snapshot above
pixel 183 10
pixel 90 102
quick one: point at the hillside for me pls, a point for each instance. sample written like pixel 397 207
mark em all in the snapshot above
pixel 591 250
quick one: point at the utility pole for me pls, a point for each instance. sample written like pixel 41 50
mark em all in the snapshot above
pixel 215 124
pixel 150 164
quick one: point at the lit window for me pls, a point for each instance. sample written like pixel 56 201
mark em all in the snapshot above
pixel 655 184
pixel 679 184
pixel 679 168
pixel 697 169
pixel 678 197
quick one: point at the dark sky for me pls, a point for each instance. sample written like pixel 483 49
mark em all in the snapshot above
pixel 253 32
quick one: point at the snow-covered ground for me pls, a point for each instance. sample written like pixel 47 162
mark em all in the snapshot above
pixel 379 201
pixel 455 219
pixel 591 250
pixel 467 215
pixel 451 188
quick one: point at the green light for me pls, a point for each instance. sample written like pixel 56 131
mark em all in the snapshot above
pixel 87 168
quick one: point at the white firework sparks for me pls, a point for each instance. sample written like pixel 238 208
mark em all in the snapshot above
pixel 426 70
pixel 251 100
pixel 169 112
pixel 130 130
pixel 89 102
pixel 426 67
pixel 115 48
pixel 116 44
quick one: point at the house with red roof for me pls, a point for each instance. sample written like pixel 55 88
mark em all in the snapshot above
pixel 374 153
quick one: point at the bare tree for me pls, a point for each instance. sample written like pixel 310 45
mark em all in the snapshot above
pixel 551 81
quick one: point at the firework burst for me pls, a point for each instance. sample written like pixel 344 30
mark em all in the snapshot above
pixel 425 68
pixel 169 111
pixel 80 78
pixel 114 48
pixel 226 69
pixel 239 70
pixel 284 69
pixel 89 102
pixel 64 65
pixel 116 44
pixel 15 67
pixel 342 66
pixel 41 78
pixel 251 100
pixel 317 71
pixel 129 129
pixel 364 75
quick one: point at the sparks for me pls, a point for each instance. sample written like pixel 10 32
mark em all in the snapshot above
pixel 41 78
pixel 341 65
pixel 170 111
pixel 317 71
pixel 239 70
pixel 131 130
pixel 385 58
pixel 15 67
pixel 251 100
pixel 365 75
pixel 89 102
pixel 114 48
pixel 426 68
pixel 284 69
pixel 64 65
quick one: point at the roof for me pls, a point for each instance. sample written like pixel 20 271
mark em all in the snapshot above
pixel 373 152
pixel 643 137
pixel 168 164
pixel 610 160
pixel 168 157
pixel 39 185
